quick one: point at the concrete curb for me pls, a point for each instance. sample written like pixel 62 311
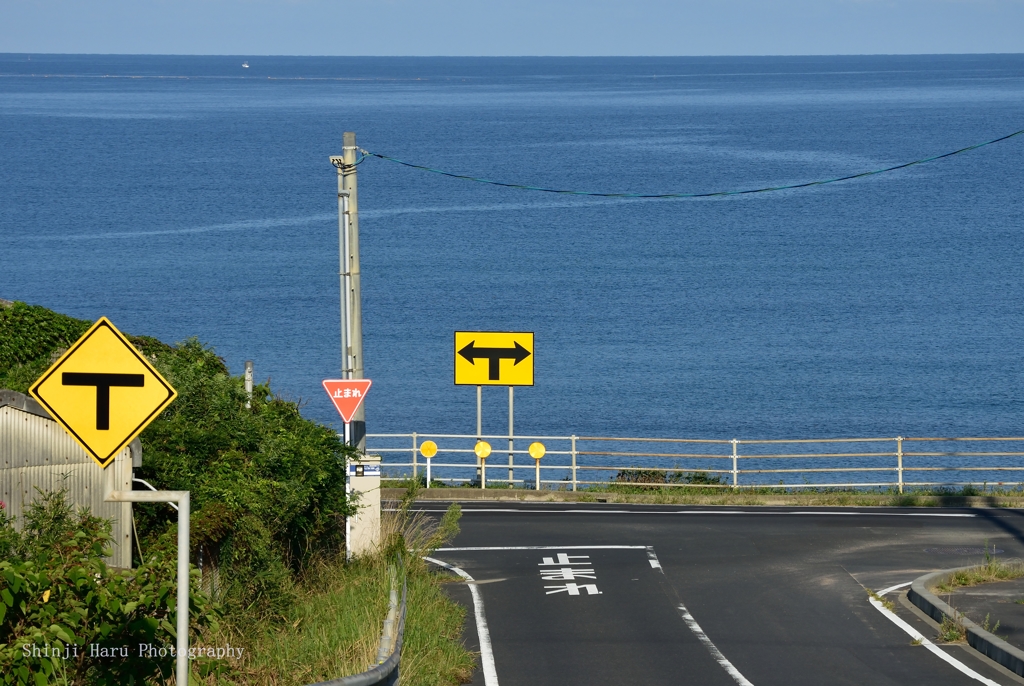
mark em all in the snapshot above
pixel 985 643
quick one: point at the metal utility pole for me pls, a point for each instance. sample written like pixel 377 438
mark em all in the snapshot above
pixel 351 302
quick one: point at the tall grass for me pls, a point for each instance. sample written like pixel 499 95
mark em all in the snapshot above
pixel 333 631
pixel 992 569
pixel 335 626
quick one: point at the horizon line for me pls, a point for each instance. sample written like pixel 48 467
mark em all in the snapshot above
pixel 440 56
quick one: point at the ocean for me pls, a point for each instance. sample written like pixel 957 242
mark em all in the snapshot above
pixel 189 196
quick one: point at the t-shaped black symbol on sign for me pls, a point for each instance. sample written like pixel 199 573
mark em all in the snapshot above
pixel 102 382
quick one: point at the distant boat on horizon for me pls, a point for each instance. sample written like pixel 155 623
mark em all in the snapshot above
pixel 245 65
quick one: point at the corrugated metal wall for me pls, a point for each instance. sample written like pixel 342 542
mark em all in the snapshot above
pixel 36 452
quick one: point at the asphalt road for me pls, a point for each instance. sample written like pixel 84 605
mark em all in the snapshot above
pixel 717 596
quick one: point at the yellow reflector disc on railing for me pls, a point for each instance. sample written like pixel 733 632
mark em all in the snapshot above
pixel 482 449
pixel 537 450
pixel 428 449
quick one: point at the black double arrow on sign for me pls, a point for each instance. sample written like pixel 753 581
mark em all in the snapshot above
pixel 493 357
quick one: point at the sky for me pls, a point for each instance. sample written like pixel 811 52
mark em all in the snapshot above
pixel 512 27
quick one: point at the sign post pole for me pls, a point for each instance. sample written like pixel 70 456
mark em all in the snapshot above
pixel 511 414
pixel 428 449
pixel 348 493
pixel 482 450
pixel 184 503
pixel 537 451
pixel 479 426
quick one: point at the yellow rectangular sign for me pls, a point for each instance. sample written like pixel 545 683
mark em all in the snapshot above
pixel 493 358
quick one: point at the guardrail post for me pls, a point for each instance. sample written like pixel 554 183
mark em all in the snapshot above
pixel 572 449
pixel 735 465
pixel 899 462
pixel 414 465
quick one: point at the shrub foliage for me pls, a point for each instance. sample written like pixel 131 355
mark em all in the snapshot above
pixel 61 605
pixel 267 485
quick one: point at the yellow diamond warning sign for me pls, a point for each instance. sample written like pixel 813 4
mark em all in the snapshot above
pixel 103 391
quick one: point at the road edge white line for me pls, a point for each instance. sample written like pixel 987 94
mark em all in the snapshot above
pixel 482 633
pixel 546 547
pixel 893 588
pixel 712 648
pixel 913 633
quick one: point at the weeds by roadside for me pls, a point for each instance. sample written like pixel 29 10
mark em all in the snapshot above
pixel 952 629
pixel 335 626
pixel 993 569
pixel 887 604
pixel 991 628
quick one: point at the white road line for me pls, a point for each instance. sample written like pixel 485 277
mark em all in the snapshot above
pixel 486 654
pixel 887 514
pixel 893 588
pixel 652 557
pixel 548 547
pixel 929 645
pixel 712 648
pixel 467 510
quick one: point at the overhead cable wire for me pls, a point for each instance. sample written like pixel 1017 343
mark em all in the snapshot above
pixel 713 194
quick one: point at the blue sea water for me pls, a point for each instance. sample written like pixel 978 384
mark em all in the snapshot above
pixel 187 196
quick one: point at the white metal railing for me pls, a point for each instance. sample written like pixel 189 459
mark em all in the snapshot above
pixel 573 461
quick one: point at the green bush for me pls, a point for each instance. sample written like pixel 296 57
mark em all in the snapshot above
pixel 33 337
pixel 267 485
pixel 29 336
pixel 640 476
pixel 697 478
pixel 58 596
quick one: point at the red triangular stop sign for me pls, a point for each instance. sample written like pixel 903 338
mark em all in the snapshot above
pixel 347 395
